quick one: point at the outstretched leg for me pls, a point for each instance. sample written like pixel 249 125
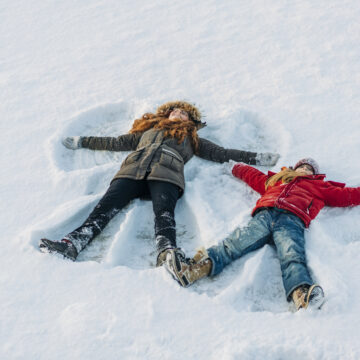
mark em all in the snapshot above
pixel 118 195
pixel 164 197
pixel 212 261
pixel 289 240
pixel 241 241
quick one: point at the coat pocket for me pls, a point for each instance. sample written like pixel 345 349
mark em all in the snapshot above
pixel 171 160
pixel 133 157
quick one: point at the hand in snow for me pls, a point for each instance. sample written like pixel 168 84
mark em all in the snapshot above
pixel 267 159
pixel 72 142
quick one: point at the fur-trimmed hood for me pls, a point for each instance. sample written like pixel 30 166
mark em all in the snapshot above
pixel 192 110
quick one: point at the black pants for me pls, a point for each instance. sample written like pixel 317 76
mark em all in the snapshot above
pixel 164 196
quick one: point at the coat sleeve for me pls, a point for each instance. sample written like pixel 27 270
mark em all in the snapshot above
pixel 210 151
pixel 340 196
pixel 253 177
pixel 125 142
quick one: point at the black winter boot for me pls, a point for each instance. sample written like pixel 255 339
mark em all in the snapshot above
pixel 63 247
pixel 163 244
pixel 161 258
pixel 174 261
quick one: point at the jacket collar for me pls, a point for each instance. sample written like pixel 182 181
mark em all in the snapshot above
pixel 311 177
pixel 315 177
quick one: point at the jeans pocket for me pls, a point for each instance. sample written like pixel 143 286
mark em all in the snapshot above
pixel 298 221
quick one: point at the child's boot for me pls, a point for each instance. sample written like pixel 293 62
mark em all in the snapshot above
pixel 187 271
pixel 308 296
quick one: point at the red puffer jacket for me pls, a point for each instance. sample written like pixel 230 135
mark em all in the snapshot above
pixel 305 196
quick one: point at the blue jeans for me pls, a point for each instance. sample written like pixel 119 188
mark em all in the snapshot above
pixel 268 226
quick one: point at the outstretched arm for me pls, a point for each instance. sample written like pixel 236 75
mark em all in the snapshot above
pixel 341 196
pixel 210 151
pixel 125 142
pixel 253 177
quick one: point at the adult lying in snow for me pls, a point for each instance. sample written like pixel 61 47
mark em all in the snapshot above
pixel 289 201
pixel 162 142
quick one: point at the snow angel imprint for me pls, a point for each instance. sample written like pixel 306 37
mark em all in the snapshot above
pixel 289 201
pixel 161 143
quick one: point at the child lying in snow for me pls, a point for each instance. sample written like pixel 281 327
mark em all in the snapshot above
pixel 289 201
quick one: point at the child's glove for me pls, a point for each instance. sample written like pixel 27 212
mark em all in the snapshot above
pixel 72 142
pixel 267 159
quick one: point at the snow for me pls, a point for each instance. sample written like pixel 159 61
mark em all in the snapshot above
pixel 269 76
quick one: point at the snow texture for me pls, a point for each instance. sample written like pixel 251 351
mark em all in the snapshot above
pixel 271 76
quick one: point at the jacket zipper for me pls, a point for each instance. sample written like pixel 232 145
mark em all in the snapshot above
pixel 284 192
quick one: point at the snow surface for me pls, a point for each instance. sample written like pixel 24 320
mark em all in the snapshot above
pixel 269 76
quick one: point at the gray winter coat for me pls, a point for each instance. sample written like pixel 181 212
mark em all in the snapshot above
pixel 161 158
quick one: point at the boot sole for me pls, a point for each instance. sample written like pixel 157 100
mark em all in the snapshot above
pixel 315 298
pixel 174 268
pixel 43 248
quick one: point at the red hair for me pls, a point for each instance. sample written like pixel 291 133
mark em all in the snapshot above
pixel 178 129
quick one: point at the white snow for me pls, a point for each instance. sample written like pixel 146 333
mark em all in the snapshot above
pixel 269 76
